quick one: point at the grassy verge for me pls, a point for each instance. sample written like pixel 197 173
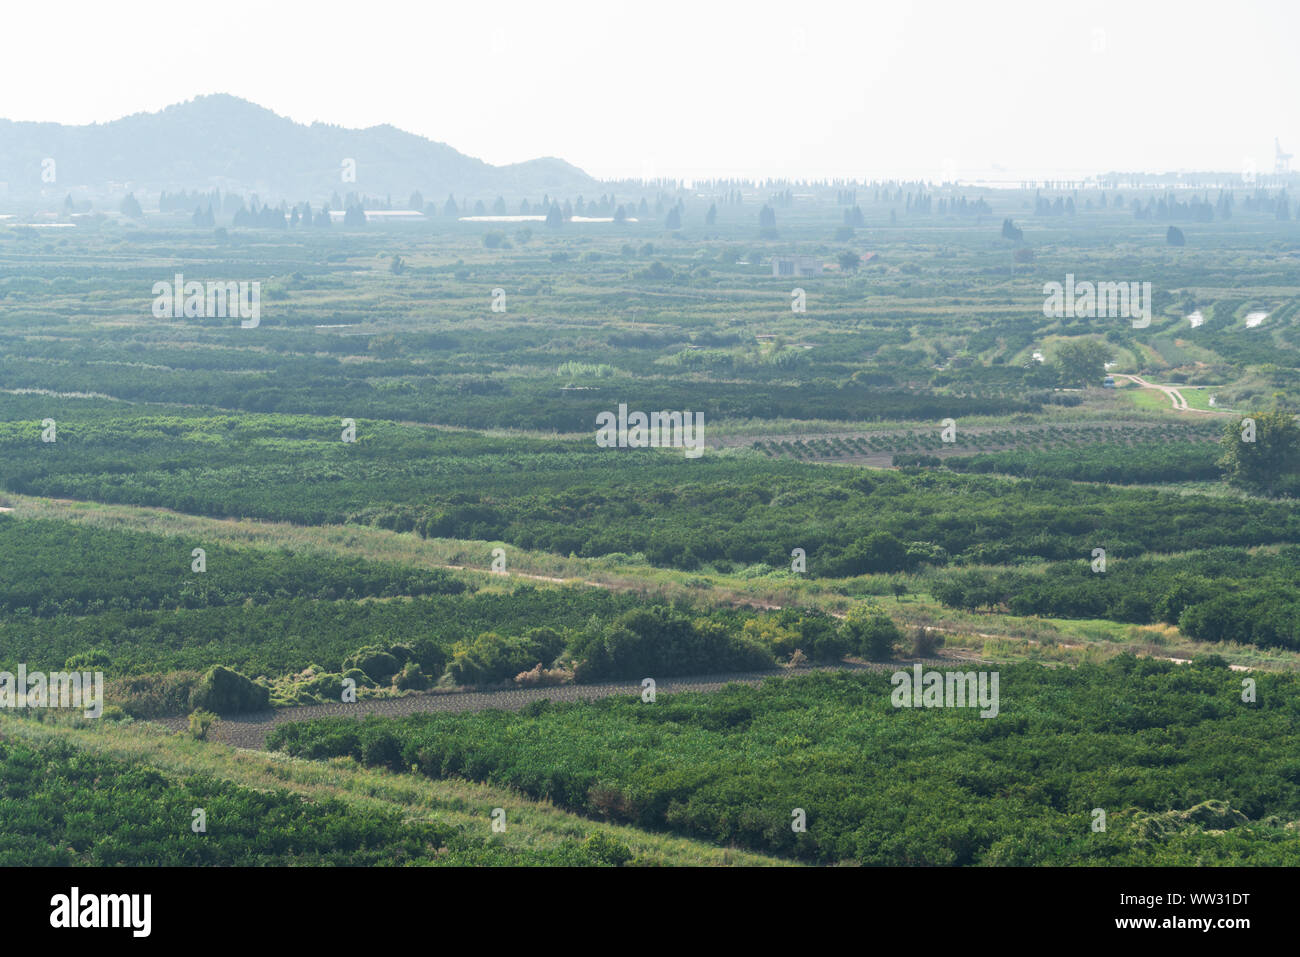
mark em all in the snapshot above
pixel 530 824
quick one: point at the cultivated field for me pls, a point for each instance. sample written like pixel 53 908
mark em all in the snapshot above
pixel 391 499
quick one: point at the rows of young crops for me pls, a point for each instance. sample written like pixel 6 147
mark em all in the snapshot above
pixel 1042 438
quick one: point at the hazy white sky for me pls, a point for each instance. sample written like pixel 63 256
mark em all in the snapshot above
pixel 694 89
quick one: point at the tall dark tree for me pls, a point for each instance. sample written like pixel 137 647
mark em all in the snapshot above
pixel 130 207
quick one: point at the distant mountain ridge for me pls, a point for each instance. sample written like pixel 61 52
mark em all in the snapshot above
pixel 222 141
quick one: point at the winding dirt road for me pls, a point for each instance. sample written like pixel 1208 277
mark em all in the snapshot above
pixel 1175 397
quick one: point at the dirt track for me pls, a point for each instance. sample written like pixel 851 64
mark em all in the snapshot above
pixel 250 730
pixel 1171 393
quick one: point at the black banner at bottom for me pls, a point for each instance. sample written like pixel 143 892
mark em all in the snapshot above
pixel 140 906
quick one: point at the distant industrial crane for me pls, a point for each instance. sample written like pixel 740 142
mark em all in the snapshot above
pixel 1282 160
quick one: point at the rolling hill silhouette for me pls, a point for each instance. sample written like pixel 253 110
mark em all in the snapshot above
pixel 225 142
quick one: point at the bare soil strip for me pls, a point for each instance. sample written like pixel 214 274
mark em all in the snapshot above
pixel 250 730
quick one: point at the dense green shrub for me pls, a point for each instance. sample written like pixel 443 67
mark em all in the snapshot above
pixel 655 641
pixel 326 686
pixel 228 692
pixel 603 849
pixel 88 661
pixel 154 695
pixel 410 678
pixel 871 633
pixel 878 552
pixel 491 658
pixel 360 677
pixel 378 663
pixel 815 633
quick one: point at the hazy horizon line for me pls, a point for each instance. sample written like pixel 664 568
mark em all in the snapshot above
pixel 992 175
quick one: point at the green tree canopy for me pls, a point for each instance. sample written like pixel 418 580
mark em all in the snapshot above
pixel 1261 450
pixel 1081 362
